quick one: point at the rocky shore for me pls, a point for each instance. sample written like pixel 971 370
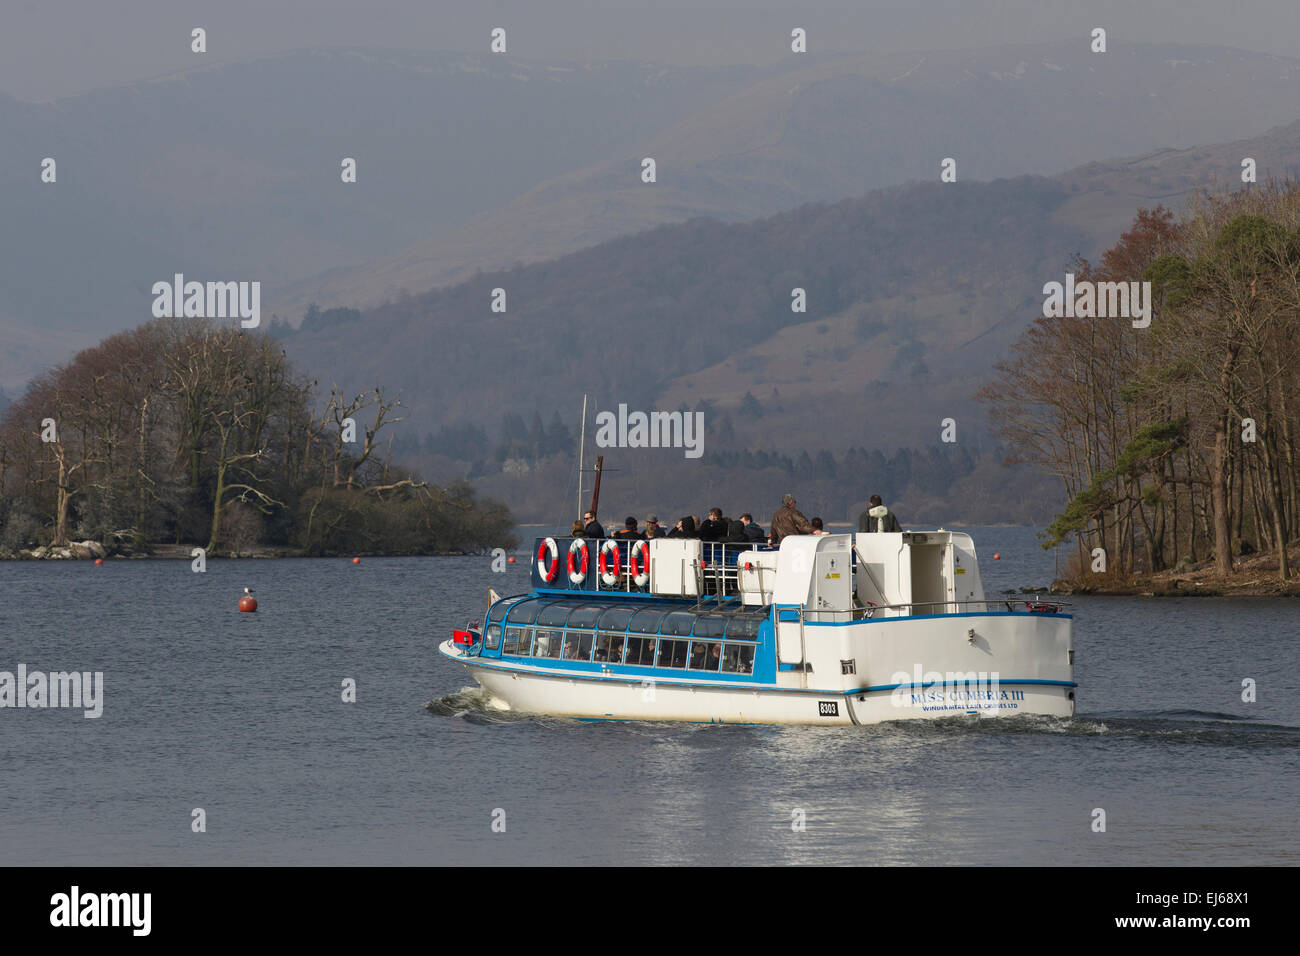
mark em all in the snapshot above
pixel 1254 575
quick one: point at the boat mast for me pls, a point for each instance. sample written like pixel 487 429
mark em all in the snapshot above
pixel 582 444
pixel 595 492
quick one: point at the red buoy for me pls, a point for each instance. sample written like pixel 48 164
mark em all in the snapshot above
pixel 99 560
pixel 510 560
pixel 997 557
pixel 248 602
pixel 356 560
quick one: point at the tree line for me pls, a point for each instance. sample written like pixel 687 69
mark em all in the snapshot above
pixel 189 431
pixel 1174 444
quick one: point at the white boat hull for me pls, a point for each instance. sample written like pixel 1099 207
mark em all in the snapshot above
pixel 521 688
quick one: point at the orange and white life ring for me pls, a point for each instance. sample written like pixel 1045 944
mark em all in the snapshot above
pixel 548 560
pixel 609 571
pixel 638 563
pixel 578 575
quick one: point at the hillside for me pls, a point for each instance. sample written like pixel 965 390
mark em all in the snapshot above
pixel 913 293
pixel 476 162
pixel 834 127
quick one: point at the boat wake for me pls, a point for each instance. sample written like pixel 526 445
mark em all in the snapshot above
pixel 1173 727
pixel 474 705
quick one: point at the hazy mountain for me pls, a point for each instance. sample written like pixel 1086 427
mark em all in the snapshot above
pixel 470 162
pixel 912 293
pixel 840 127
pixel 233 172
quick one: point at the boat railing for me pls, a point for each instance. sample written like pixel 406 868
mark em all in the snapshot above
pixel 928 608
pixel 716 572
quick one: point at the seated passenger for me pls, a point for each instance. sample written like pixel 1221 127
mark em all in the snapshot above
pixel 736 532
pixel 753 532
pixel 817 527
pixel 593 528
pixel 685 528
pixel 629 532
pixel 715 528
pixel 653 529
pixel 577 530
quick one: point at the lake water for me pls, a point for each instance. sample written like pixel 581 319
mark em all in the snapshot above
pixel 241 715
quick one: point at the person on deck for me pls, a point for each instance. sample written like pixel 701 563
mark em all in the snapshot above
pixel 593 528
pixel 736 532
pixel 629 532
pixel 878 518
pixel 715 528
pixel 576 531
pixel 653 529
pixel 753 532
pixel 788 520
pixel 685 528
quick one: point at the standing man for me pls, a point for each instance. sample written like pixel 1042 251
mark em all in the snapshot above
pixel 593 528
pixel 788 521
pixel 877 518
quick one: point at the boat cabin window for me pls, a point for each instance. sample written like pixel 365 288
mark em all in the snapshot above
pixel 547 643
pixel 497 611
pixel 616 618
pixel 709 626
pixel 492 635
pixel 640 651
pixel 678 622
pixel 609 648
pixel 577 645
pixel 738 659
pixel 585 616
pixel 518 640
pixel 672 653
pixel 706 655
pixel 745 626
pixel 645 621
pixel 525 612
pixel 555 614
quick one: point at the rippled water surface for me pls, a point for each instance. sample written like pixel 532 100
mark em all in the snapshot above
pixel 241 715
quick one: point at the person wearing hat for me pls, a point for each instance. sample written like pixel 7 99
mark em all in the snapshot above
pixel 653 529
pixel 629 532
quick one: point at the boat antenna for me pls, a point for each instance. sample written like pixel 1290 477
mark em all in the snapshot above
pixel 582 446
pixel 595 492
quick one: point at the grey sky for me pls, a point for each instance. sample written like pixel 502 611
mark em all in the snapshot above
pixel 53 48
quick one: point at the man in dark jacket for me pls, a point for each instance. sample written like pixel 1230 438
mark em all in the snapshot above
pixel 788 520
pixel 629 532
pixel 753 532
pixel 593 528
pixel 878 518
pixel 715 528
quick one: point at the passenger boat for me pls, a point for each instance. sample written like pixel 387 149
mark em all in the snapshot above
pixel 825 629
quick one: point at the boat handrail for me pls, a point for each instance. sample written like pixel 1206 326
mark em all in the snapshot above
pixel 959 607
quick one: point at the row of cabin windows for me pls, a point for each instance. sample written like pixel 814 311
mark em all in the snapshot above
pixel 559 615
pixel 603 647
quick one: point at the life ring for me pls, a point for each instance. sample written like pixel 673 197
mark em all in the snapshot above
pixel 609 573
pixel 578 575
pixel 639 569
pixel 548 551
